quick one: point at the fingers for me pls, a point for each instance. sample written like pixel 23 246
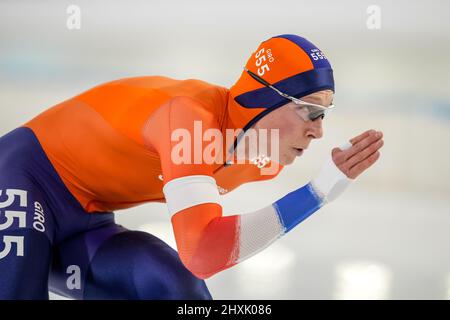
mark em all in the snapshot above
pixel 340 156
pixel 364 154
pixel 361 166
pixel 362 136
pixel 363 143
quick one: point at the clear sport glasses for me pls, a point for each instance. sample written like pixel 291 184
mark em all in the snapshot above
pixel 307 111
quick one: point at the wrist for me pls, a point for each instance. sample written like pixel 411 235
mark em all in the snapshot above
pixel 331 181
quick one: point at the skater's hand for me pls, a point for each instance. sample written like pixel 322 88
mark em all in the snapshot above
pixel 363 153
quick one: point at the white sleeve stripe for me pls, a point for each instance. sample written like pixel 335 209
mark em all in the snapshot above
pixel 189 191
pixel 258 230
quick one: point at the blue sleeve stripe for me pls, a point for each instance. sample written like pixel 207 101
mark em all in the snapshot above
pixel 296 206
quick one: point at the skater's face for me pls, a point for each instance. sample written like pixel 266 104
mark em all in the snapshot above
pixel 295 134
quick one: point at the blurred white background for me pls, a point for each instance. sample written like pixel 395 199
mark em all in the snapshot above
pixel 388 236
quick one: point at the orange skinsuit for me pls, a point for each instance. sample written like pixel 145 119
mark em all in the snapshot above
pixel 110 145
pixel 98 143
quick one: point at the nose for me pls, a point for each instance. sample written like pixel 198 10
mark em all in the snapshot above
pixel 314 130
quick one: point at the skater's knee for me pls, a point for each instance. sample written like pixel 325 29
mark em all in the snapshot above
pixel 156 270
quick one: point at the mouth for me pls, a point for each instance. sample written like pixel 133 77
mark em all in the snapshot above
pixel 298 151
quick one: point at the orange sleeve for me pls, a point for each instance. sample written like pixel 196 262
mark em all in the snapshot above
pixel 206 241
pixel 178 115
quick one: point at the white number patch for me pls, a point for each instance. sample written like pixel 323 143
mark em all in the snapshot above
pixel 316 54
pixel 263 56
pixel 11 216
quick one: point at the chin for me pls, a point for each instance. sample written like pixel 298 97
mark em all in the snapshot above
pixel 285 161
